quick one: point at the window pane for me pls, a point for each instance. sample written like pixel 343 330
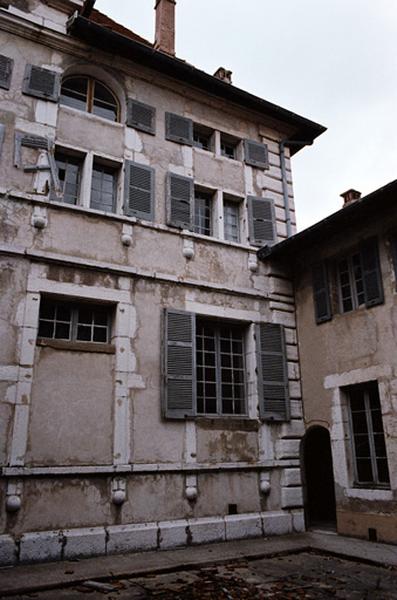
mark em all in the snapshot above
pixel 100 334
pixel 103 188
pixel 364 471
pixel 104 103
pixel 383 470
pixel 231 221
pixel 84 333
pixel 62 331
pixel 46 329
pixel 74 92
pixel 202 213
pixel 69 169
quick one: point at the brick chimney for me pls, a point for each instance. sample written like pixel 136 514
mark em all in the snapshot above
pixel 224 75
pixel 165 26
pixel 350 196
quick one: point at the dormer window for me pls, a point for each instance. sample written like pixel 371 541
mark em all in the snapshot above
pixel 90 95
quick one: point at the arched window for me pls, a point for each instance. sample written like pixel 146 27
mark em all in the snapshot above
pixel 90 95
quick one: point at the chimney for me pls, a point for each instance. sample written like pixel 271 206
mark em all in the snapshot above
pixel 165 26
pixel 224 75
pixel 350 196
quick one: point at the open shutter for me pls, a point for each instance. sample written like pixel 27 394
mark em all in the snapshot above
pixel 179 393
pixel 139 191
pixel 322 302
pixel 2 136
pixel 372 277
pixel 42 83
pixel 256 154
pixel 141 116
pixel 272 372
pixel 6 66
pixel 178 129
pixel 179 201
pixel 262 221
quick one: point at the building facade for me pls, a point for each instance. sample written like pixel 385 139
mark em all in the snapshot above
pixel 150 389
pixel 345 274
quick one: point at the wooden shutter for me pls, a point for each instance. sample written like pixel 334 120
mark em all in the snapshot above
pixel 178 129
pixel 322 301
pixel 179 201
pixel 6 66
pixel 272 372
pixel 372 276
pixel 139 191
pixel 2 136
pixel 262 221
pixel 256 154
pixel 42 83
pixel 179 392
pixel 141 116
pixel 394 253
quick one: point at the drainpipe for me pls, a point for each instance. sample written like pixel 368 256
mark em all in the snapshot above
pixel 282 145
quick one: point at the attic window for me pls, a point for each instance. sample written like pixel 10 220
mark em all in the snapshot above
pixel 90 95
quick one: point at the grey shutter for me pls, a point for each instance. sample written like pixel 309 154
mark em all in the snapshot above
pixel 372 277
pixel 141 116
pixel 6 66
pixel 394 252
pixel 272 372
pixel 179 391
pixel 2 136
pixel 42 83
pixel 179 201
pixel 178 129
pixel 262 221
pixel 139 191
pixel 256 154
pixel 322 302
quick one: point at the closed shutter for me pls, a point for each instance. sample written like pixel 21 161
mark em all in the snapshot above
pixel 372 277
pixel 179 201
pixel 6 66
pixel 42 83
pixel 2 136
pixel 141 116
pixel 322 303
pixel 262 225
pixel 256 154
pixel 394 252
pixel 179 391
pixel 139 191
pixel 178 129
pixel 272 372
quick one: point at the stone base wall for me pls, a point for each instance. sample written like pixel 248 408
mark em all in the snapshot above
pixel 357 524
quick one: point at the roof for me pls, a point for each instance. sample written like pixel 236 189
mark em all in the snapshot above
pixel 104 33
pixel 378 202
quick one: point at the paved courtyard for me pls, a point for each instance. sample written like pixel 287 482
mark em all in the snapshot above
pixel 303 575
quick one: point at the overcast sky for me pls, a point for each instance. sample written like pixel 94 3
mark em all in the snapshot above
pixel 332 61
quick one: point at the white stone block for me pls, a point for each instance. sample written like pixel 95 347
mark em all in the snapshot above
pixel 296 409
pixel 291 477
pixel 205 531
pixel 295 389
pixel 131 538
pixel 8 550
pixel 291 497
pixel 40 546
pixel 276 523
pixel 293 429
pixel 84 542
pixel 298 522
pixel 243 526
pixel 173 533
pixel 287 449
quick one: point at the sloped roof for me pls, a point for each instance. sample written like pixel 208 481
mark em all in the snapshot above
pixel 101 19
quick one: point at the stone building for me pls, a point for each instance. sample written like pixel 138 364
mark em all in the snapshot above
pixel 345 280
pixel 149 383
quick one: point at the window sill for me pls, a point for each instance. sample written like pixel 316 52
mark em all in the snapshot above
pixel 227 422
pixel 77 346
pixel 91 116
pixel 370 493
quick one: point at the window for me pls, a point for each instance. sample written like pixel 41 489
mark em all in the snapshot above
pixel 104 187
pixel 368 440
pixel 202 137
pixel 220 368
pixel 89 95
pixel 229 146
pixel 202 212
pixel 69 174
pixel 231 220
pixel 351 285
pixel 69 321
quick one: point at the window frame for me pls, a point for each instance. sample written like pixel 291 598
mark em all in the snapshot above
pixel 237 203
pixel 116 168
pixel 90 97
pixel 230 140
pixel 77 156
pixel 354 293
pixel 208 196
pixel 202 130
pixel 367 389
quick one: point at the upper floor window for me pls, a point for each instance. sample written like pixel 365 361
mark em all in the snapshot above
pixel 90 95
pixel 69 174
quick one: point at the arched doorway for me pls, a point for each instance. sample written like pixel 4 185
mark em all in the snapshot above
pixel 319 487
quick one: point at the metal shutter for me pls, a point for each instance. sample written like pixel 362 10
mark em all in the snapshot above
pixel 262 222
pixel 322 303
pixel 256 154
pixel 139 191
pixel 42 83
pixel 272 372
pixel 179 364
pixel 141 116
pixel 178 129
